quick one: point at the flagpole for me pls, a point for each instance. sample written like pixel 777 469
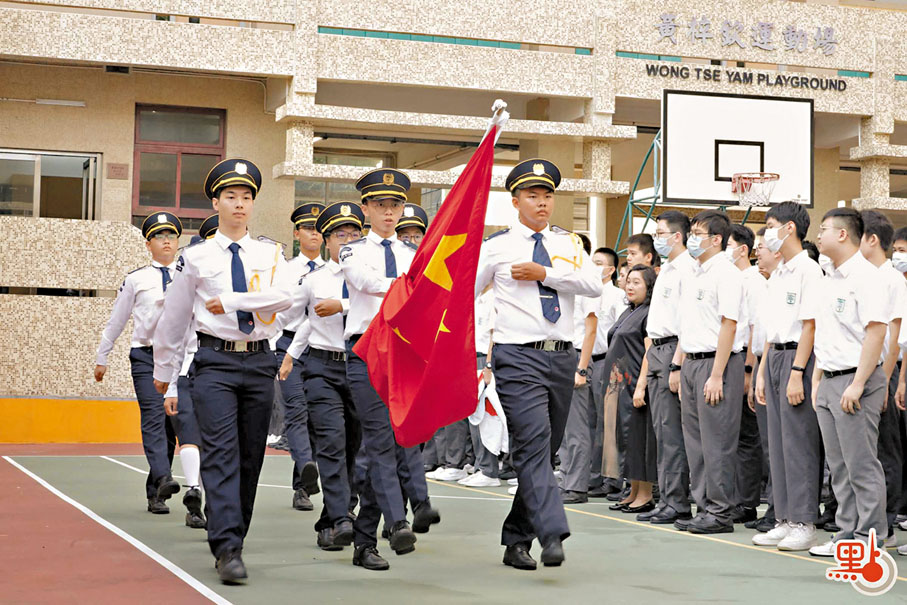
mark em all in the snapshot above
pixel 499 118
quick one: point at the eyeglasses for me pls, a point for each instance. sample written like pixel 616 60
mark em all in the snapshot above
pixel 170 237
pixel 343 236
pixel 665 233
pixel 700 233
pixel 411 239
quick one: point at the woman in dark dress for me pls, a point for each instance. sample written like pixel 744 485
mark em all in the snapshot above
pixel 627 344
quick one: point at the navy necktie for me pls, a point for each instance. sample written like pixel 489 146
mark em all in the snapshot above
pixel 345 294
pixel 390 263
pixel 551 306
pixel 311 265
pixel 238 273
pixel 165 276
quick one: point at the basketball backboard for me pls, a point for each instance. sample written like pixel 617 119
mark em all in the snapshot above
pixel 708 137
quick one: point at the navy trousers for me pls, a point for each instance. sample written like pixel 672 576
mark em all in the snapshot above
pixel 381 492
pixel 535 388
pixel 332 417
pixel 185 423
pixel 233 393
pixel 158 437
pixel 295 413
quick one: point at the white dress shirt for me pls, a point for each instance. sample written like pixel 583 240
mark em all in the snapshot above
pixel 758 318
pixel 584 306
pixel 753 283
pixel 204 272
pixel 897 293
pixel 714 292
pixel 141 297
pixel 613 304
pixel 362 262
pixel 664 308
pixel 297 268
pixel 484 321
pixel 787 287
pixel 326 333
pixel 518 307
pixel 844 303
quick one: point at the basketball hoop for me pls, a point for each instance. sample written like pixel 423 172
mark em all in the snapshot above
pixel 754 188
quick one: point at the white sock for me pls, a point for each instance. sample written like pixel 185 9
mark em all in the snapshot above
pixel 190 460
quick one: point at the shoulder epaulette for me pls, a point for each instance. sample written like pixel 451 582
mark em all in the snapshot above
pixel 315 270
pixel 267 240
pixel 412 245
pixel 138 269
pixel 556 229
pixel 361 240
pixel 497 233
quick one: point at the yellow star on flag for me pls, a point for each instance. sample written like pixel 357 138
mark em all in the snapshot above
pixel 441 326
pixel 437 270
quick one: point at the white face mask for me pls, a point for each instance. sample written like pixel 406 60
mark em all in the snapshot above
pixel 730 253
pixel 826 263
pixel 899 260
pixel 772 242
pixel 694 246
pixel 662 246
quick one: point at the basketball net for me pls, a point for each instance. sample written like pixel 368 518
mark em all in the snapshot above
pixel 754 188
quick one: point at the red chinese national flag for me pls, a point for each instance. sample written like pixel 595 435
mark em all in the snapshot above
pixel 420 348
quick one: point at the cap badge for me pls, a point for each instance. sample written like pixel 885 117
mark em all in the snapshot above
pixel 315 211
pixel 345 210
pixel 240 168
pixel 408 211
pixel 162 218
pixel 388 178
pixel 538 169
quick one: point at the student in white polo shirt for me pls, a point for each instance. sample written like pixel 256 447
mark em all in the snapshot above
pixel 878 233
pixel 852 313
pixel 711 305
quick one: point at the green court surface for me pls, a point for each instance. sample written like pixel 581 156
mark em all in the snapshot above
pixel 610 557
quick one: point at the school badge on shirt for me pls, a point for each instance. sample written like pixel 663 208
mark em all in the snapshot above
pixel 791 298
pixel 667 293
pixel 839 305
pixel 700 295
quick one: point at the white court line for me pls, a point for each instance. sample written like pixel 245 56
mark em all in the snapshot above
pixel 141 546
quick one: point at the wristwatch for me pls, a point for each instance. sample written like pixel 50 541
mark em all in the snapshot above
pixel 674 367
pixel 797 369
pixel 582 372
pixel 488 366
pixel 748 369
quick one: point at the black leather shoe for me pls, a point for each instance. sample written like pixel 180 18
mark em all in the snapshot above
pixel 618 506
pixel 553 553
pixel 309 477
pixel 710 525
pixel 342 533
pixel 424 516
pixel 742 514
pixel 196 521
pixel 669 515
pixel 644 517
pixel 762 524
pixel 518 557
pixel 684 523
pixel 642 508
pixel 621 495
pixel 192 500
pixel 831 527
pixel 401 537
pixel 507 474
pixel 230 568
pixel 602 491
pixel 156 506
pixel 325 540
pixel 366 555
pixel 301 500
pixel 571 497
pixel 166 487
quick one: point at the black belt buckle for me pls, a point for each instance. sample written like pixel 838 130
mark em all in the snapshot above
pixel 836 373
pixel 784 346
pixel 550 345
pixel 705 355
pixel 663 341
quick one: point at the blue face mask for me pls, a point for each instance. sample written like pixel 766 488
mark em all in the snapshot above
pixel 662 246
pixel 694 246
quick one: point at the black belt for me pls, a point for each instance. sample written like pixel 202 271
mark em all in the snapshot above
pixel 549 345
pixel 657 342
pixel 785 346
pixel 355 338
pixel 148 349
pixel 599 357
pixel 289 334
pixel 240 346
pixel 743 350
pixel 834 373
pixel 339 356
pixel 706 355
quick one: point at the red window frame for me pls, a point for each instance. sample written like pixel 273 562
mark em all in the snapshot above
pixel 178 149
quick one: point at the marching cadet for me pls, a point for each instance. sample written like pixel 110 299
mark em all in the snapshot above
pixel 663 327
pixel 322 349
pixel 749 447
pixel 878 233
pixel 783 383
pixel 369 266
pixel 296 414
pixel 537 270
pixel 849 387
pixel 711 305
pixel 142 297
pixel 233 285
